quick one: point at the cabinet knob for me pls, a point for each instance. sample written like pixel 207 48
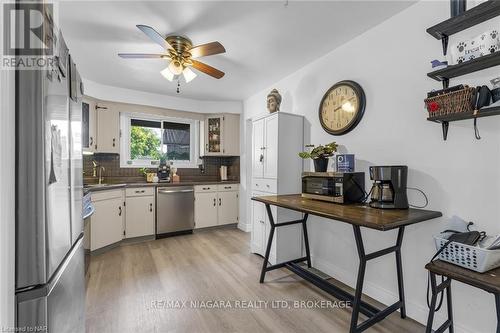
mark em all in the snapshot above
pixel 215 202
pixel 227 187
pixel 114 142
pixel 220 201
pixel 150 207
pixel 91 141
pixel 261 221
pixel 120 211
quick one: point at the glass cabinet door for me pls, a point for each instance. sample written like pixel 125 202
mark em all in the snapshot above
pixel 214 135
pixel 86 126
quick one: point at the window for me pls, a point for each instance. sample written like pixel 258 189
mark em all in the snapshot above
pixel 146 140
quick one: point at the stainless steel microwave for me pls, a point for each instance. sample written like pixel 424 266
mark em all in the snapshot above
pixel 338 187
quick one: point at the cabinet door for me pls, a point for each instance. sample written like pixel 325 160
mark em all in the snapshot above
pixel 88 126
pixel 258 148
pixel 108 130
pixel 231 138
pixel 205 209
pixel 228 207
pixel 271 147
pixel 258 227
pixel 106 223
pixel 139 217
pixel 215 133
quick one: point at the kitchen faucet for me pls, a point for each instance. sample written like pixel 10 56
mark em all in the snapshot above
pixel 101 170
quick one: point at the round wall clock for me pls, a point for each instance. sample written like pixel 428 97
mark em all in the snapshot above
pixel 342 107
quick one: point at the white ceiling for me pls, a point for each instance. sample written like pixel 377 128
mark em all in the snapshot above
pixel 264 41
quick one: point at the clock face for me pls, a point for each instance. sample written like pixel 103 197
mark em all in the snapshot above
pixel 342 107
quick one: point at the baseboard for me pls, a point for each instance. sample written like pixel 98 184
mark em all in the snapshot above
pixel 415 311
pixel 246 227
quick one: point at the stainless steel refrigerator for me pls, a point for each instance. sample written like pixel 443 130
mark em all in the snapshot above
pixel 50 282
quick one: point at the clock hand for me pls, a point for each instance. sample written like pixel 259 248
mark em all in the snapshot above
pixel 340 107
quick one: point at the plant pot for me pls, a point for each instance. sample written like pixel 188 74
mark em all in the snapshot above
pixel 320 164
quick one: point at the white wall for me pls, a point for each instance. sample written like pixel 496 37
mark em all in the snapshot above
pixel 461 176
pixel 122 95
pixel 7 170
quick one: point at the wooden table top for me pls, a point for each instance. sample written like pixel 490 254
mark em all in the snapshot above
pixel 488 281
pixel 356 214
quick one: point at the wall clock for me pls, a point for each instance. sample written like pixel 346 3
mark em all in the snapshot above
pixel 342 107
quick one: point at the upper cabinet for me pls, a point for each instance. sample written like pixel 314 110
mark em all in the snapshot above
pixel 108 129
pixel 221 135
pixel 279 134
pixel 89 123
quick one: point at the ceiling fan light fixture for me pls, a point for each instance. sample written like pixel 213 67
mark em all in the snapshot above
pixel 189 75
pixel 167 74
pixel 175 67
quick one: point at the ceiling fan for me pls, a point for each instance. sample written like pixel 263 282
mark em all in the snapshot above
pixel 181 53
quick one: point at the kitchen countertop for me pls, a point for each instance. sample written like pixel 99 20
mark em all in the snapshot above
pixel 97 188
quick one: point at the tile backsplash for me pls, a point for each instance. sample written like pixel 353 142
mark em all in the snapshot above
pixel 114 174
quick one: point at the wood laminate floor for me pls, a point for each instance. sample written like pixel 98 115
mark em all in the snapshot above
pixel 129 286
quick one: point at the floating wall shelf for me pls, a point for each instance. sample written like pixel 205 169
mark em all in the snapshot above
pixel 442 31
pixel 446 119
pixel 469 18
pixel 466 67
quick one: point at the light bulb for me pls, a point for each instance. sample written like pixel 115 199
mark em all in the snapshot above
pixel 348 107
pixel 188 74
pixel 175 67
pixel 167 74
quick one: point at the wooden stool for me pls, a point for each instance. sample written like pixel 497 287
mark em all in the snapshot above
pixel 489 281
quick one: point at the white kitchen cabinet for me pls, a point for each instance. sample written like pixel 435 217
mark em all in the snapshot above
pixel 89 124
pixel 216 205
pixel 271 147
pixel 258 225
pixel 205 209
pixel 221 135
pixel 139 212
pixel 108 129
pixel 276 169
pixel 106 224
pixel 228 207
pixel 258 148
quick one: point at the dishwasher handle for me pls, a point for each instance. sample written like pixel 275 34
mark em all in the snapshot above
pixel 175 191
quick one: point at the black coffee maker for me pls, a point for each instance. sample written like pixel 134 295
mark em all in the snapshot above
pixel 389 187
pixel 164 172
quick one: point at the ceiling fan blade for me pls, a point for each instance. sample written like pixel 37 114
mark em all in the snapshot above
pixel 202 67
pixel 154 35
pixel 206 50
pixel 142 56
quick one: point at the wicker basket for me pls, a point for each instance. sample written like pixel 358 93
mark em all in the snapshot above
pixel 453 102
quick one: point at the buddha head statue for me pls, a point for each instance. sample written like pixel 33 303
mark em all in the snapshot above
pixel 273 101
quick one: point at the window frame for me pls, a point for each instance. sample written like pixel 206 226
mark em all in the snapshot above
pixel 125 121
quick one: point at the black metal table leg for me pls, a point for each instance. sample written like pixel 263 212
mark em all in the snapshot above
pixel 269 243
pixel 361 277
pixel 436 290
pixel 430 318
pixel 399 268
pixel 497 303
pixel 449 306
pixel 306 240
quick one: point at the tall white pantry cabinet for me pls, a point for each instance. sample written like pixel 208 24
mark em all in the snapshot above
pixel 277 139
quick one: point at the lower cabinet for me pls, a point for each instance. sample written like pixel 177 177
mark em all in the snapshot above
pixel 140 212
pixel 107 221
pixel 215 205
pixel 287 240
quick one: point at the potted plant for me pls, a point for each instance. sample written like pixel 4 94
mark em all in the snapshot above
pixel 320 155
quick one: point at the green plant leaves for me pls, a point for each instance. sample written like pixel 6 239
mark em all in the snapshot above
pixel 320 151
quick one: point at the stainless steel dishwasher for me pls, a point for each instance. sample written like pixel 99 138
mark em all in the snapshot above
pixel 174 210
